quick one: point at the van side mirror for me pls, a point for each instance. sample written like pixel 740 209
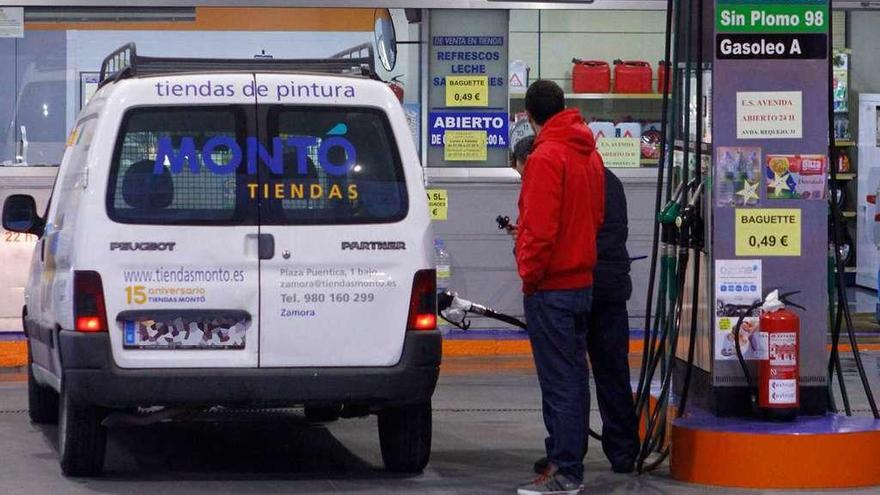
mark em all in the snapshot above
pixel 20 215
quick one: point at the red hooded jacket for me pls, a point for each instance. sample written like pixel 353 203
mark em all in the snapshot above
pixel 561 207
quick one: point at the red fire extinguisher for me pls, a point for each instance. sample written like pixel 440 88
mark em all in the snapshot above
pixel 396 87
pixel 776 393
pixel 778 374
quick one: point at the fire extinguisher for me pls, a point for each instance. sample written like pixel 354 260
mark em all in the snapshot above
pixel 396 87
pixel 776 393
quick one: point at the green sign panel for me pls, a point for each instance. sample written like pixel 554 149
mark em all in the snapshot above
pixel 778 18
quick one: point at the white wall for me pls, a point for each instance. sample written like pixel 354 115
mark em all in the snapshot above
pixel 584 34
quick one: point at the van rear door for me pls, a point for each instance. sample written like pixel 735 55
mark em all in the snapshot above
pixel 335 288
pixel 179 258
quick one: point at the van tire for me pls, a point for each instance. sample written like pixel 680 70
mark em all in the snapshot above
pixel 81 438
pixel 42 400
pixel 405 437
pixel 322 414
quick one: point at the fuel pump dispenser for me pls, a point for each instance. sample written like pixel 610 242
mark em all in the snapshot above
pixel 715 253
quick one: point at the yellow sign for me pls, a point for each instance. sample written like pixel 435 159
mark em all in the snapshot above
pixel 467 91
pixel 438 203
pixel 621 152
pixel 465 146
pixel 768 232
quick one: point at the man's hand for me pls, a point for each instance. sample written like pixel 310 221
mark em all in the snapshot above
pixel 513 231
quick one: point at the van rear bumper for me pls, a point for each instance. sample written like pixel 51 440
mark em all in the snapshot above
pixel 91 376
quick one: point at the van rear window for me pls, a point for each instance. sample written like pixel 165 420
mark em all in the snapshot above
pixel 159 172
pixel 343 168
pixel 207 165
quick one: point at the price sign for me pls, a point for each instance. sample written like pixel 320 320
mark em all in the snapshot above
pixel 438 203
pixel 467 91
pixel 768 232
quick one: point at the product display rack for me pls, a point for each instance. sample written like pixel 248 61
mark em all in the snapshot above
pixel 845 145
pixel 637 107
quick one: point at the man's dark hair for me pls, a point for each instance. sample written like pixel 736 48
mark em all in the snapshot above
pixel 544 99
pixel 522 149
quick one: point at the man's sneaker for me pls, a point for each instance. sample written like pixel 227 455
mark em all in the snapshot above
pixel 541 465
pixel 550 482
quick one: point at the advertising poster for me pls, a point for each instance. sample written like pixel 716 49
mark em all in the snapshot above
pixel 737 287
pixel 738 175
pixel 623 152
pixel 468 89
pixel 465 146
pixel 11 22
pixel 797 177
pixel 413 112
pixel 769 115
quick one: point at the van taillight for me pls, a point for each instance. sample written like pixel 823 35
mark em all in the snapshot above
pixel 89 311
pixel 423 301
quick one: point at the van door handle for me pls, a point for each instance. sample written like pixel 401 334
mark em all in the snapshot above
pixel 266 246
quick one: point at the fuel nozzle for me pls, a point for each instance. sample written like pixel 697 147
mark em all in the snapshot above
pixel 687 216
pixel 670 212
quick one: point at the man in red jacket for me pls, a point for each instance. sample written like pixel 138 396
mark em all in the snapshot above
pixel 561 208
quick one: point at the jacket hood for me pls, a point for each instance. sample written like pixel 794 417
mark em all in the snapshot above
pixel 568 127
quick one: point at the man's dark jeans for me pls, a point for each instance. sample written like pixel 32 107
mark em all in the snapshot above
pixel 557 327
pixel 608 345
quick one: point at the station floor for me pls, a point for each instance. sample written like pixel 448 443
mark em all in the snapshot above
pixel 487 433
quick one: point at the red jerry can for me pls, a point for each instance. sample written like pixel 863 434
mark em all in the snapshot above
pixel 590 76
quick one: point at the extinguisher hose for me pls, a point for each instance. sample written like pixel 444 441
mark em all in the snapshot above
pixel 753 389
pixel 836 221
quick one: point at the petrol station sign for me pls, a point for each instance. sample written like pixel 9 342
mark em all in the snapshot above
pixel 771 30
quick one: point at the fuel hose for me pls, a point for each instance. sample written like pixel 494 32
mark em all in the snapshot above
pixel 836 221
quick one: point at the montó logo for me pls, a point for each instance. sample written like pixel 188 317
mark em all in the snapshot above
pixel 336 154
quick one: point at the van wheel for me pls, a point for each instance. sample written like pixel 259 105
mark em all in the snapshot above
pixel 322 414
pixel 405 437
pixel 81 438
pixel 42 400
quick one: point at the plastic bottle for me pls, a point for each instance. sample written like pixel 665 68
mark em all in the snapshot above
pixel 754 167
pixel 741 166
pixel 442 264
pixel 726 184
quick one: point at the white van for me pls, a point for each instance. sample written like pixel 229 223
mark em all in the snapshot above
pixel 232 233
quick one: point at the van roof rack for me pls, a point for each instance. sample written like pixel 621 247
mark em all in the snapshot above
pixel 124 62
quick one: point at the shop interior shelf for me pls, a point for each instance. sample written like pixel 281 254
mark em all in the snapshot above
pixel 849 214
pixel 844 143
pixel 650 161
pixel 845 176
pixel 851 269
pixel 603 96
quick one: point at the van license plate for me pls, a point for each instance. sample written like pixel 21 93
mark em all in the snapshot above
pixel 170 332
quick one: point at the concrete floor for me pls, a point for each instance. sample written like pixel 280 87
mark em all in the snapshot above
pixel 487 433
